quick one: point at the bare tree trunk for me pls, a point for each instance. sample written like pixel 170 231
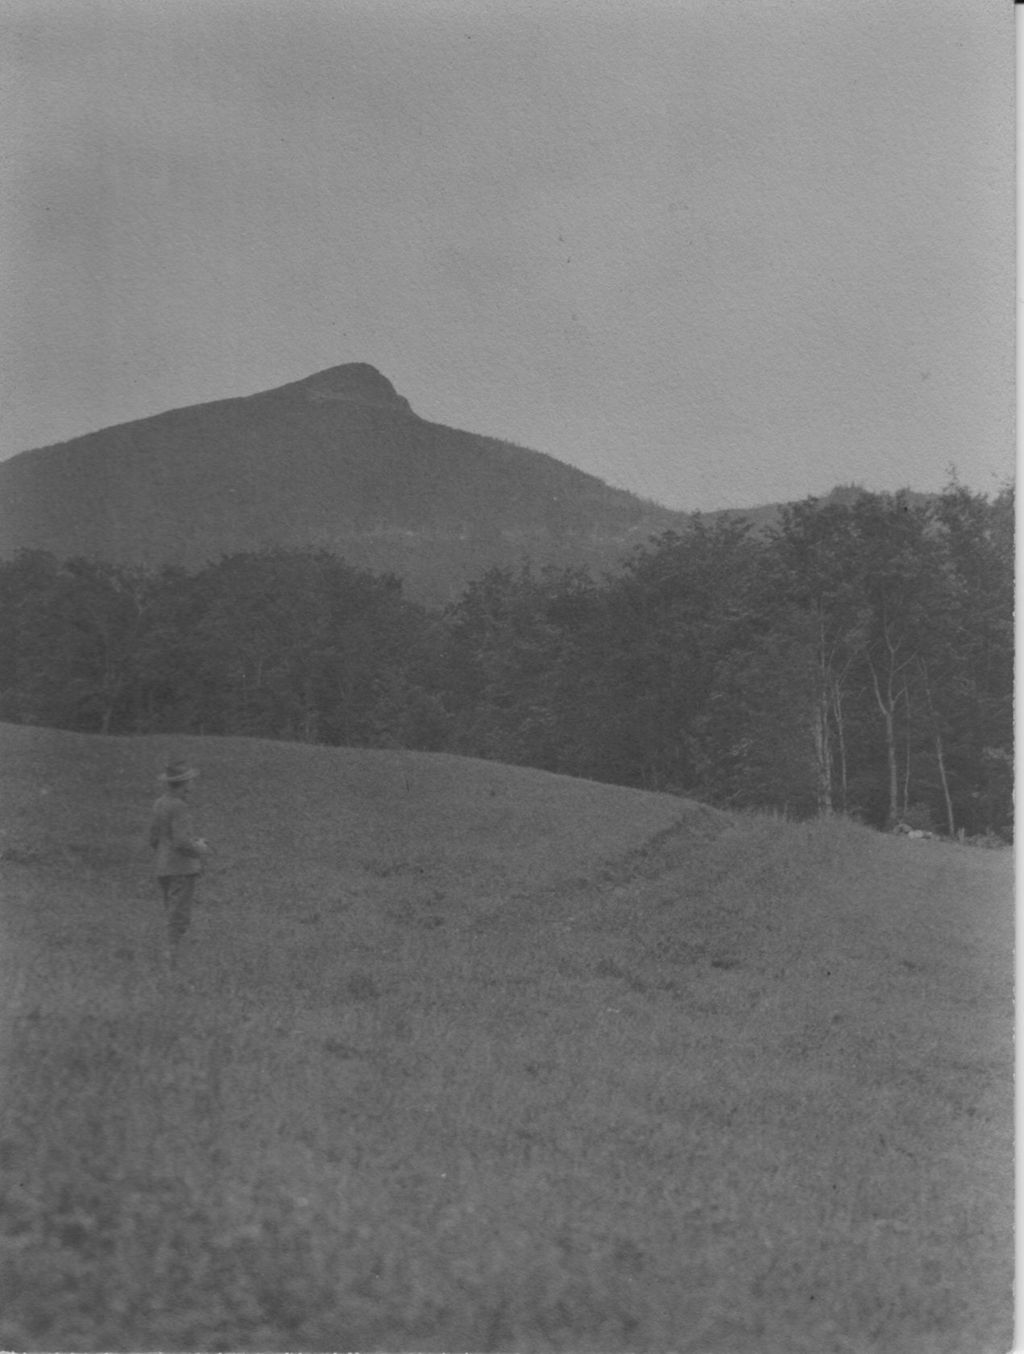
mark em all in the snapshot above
pixel 820 731
pixel 885 706
pixel 837 706
pixel 894 784
pixel 823 757
pixel 945 784
pixel 939 753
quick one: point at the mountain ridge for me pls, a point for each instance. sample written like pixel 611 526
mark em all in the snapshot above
pixel 337 460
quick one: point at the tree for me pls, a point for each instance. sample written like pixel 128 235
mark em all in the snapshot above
pixel 669 624
pixel 297 644
pixel 515 660
pixel 71 632
pixel 815 567
pixel 971 677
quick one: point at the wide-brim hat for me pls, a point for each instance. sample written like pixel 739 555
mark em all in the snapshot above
pixel 177 773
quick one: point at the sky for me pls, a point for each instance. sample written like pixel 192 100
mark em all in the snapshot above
pixel 719 255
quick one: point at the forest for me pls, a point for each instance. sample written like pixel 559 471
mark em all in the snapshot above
pixel 855 658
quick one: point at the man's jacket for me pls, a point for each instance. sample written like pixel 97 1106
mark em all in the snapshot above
pixel 173 837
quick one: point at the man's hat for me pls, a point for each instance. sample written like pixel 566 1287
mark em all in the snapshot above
pixel 177 773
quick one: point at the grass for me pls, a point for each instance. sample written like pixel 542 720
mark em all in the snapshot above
pixel 465 1056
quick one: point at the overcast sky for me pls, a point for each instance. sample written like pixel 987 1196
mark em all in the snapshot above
pixel 718 254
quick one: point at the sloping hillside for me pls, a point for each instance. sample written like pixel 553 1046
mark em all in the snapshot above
pixel 338 460
pixel 463 1055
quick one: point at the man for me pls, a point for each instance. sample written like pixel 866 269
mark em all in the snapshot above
pixel 179 852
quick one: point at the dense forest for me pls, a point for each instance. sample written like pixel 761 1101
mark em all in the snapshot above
pixel 856 658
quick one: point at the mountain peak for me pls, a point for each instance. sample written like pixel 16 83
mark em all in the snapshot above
pixel 335 461
pixel 351 383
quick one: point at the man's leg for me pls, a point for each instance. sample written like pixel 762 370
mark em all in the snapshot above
pixel 165 882
pixel 179 894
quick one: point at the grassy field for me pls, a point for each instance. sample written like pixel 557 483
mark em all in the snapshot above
pixel 470 1057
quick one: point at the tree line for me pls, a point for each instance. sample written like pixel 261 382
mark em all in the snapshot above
pixel 856 658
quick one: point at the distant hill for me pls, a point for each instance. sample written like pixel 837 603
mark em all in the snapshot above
pixel 337 460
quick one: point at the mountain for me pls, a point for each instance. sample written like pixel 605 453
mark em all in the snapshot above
pixel 338 460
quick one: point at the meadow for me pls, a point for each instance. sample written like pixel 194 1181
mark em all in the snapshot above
pixel 467 1056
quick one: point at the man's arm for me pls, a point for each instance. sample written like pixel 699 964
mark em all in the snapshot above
pixel 182 838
